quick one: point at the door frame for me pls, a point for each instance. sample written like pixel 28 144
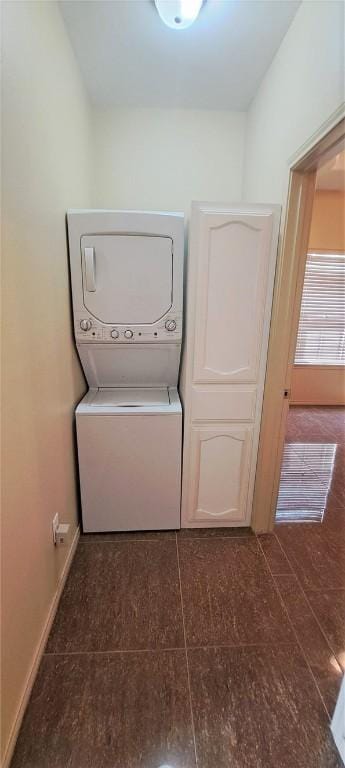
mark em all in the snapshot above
pixel 287 298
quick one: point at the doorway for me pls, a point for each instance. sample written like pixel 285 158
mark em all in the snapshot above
pixel 290 277
pixel 312 482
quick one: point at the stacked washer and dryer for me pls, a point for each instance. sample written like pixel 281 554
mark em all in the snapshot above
pixel 127 288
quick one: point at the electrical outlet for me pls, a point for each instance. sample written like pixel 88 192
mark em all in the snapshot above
pixel 55 525
pixel 62 533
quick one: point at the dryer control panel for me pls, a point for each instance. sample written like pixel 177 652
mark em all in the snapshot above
pixel 87 329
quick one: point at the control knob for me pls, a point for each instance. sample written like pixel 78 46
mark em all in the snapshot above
pixel 85 325
pixel 170 325
pixel 114 333
pixel 128 334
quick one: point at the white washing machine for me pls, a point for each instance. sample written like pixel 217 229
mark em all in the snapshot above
pixel 129 443
pixel 127 275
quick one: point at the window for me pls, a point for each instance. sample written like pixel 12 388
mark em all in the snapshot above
pixel 321 331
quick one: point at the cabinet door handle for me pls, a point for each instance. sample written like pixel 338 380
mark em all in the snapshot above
pixel 89 256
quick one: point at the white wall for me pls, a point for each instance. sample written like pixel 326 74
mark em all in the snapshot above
pixel 161 159
pixel 302 88
pixel 45 169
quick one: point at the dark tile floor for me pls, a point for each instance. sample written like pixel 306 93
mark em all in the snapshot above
pixel 201 649
pixel 314 547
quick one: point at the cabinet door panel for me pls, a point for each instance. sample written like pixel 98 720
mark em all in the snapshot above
pixel 234 259
pixel 220 460
pixel 223 402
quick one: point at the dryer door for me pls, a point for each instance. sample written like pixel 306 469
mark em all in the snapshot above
pixel 127 279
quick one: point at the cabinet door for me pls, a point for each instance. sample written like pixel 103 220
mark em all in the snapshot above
pixel 219 472
pixel 235 261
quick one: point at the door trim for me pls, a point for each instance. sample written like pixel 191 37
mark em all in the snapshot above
pixel 285 314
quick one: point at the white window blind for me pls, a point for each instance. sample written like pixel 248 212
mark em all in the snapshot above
pixel 321 331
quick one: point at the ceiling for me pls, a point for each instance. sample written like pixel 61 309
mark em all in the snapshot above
pixel 128 57
pixel 331 175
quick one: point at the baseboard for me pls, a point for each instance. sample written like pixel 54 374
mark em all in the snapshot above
pixel 316 403
pixel 38 655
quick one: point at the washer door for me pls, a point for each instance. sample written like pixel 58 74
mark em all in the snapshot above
pixel 131 398
pixel 127 279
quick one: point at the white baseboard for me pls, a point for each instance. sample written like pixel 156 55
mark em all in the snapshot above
pixel 38 655
pixel 318 403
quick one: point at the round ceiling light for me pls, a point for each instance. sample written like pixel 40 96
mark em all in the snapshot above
pixel 178 14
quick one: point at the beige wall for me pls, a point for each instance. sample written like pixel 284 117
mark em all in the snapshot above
pixel 45 156
pixel 328 221
pixel 302 88
pixel 162 159
pixel 317 385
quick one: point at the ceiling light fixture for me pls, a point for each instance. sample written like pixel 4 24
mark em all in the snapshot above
pixel 178 14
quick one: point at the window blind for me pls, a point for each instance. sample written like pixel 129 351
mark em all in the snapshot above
pixel 321 331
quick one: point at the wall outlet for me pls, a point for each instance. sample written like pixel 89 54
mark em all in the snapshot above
pixel 62 532
pixel 55 525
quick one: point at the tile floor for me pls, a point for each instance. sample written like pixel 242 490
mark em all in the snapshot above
pixel 200 649
pixel 314 593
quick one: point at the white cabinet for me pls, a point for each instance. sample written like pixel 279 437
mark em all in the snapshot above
pixel 231 268
pixel 220 457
